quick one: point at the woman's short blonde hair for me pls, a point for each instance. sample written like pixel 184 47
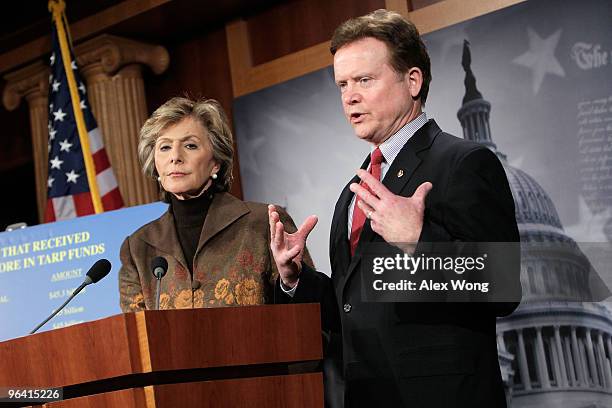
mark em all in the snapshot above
pixel 210 114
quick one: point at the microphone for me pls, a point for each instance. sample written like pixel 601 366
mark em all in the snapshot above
pixel 98 271
pixel 159 266
pixel 195 285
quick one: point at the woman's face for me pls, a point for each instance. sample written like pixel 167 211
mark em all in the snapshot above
pixel 184 159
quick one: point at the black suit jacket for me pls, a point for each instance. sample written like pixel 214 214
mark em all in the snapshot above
pixel 418 354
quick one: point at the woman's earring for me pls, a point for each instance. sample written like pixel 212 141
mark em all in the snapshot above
pixel 159 179
pixel 214 176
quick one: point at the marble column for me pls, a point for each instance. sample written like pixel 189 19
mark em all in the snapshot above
pixel 522 362
pixel 32 83
pixel 563 380
pixel 571 371
pixel 605 363
pixel 112 67
pixel 541 359
pixel 554 355
pixel 577 360
pixel 591 357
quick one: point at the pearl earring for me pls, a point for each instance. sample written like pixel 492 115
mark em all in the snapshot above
pixel 159 178
pixel 214 176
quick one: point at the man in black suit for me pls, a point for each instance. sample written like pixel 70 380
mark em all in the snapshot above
pixel 435 188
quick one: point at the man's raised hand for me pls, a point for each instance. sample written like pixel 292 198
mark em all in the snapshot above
pixel 288 249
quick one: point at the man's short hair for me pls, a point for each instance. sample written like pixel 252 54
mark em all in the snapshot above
pixel 406 49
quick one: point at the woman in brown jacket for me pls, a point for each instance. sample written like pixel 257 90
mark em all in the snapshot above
pixel 216 245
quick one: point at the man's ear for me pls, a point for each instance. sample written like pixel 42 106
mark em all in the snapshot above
pixel 414 76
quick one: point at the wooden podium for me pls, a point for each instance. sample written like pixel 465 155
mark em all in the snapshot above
pixel 256 356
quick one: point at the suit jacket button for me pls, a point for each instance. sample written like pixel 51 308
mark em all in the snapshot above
pixel 347 307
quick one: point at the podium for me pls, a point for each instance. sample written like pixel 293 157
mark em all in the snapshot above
pixel 253 356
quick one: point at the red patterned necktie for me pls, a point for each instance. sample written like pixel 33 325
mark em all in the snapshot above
pixel 376 158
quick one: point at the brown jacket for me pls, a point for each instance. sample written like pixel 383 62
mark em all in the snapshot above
pixel 232 264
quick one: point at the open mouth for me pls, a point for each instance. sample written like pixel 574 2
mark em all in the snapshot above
pixel 357 117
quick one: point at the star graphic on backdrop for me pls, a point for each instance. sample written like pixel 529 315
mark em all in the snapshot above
pixel 50 181
pixel 52 133
pixel 73 64
pixel 589 227
pixel 82 88
pixel 65 146
pixel 59 115
pixel 72 177
pixel 52 59
pixel 56 163
pixel 55 86
pixel 83 106
pixel 540 57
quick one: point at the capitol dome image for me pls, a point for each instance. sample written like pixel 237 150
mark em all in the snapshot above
pixel 555 350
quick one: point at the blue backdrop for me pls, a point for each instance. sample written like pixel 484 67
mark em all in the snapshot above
pixel 40 266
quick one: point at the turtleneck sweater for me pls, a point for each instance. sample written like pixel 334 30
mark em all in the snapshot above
pixel 189 216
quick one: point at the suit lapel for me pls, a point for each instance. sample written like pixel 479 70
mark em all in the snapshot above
pixel 224 210
pixel 396 178
pixel 163 237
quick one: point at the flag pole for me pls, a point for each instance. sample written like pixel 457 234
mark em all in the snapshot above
pixel 57 8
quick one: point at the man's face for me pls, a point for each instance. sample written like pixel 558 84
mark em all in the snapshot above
pixel 377 101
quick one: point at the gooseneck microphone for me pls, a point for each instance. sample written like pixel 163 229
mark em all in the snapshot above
pixel 98 271
pixel 159 266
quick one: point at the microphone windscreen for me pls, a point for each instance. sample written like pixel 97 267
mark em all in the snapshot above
pixel 159 262
pixel 99 270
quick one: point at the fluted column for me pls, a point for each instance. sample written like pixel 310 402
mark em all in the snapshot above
pixel 605 363
pixel 523 367
pixel 591 357
pixel 32 82
pixel 554 354
pixel 577 360
pixel 541 358
pixel 571 372
pixel 112 67
pixel 563 381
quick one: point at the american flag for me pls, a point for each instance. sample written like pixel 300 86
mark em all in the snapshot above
pixel 69 193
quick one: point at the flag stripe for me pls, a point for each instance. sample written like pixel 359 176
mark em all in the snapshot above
pixel 112 200
pixel 106 181
pixel 95 140
pixel 101 162
pixel 64 208
pixel 83 204
pixel 49 212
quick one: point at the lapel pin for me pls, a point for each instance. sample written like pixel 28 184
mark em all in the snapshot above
pixel 400 173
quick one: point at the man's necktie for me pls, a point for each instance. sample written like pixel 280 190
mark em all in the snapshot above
pixel 376 158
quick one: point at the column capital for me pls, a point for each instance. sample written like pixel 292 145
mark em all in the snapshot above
pixel 31 82
pixel 112 53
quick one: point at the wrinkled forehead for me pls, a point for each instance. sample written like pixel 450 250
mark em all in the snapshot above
pixel 360 57
pixel 187 128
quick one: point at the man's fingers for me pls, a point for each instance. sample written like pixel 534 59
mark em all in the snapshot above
pixel 293 252
pixel 279 234
pixel 272 221
pixel 365 208
pixel 376 186
pixel 307 226
pixel 422 191
pixel 364 195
